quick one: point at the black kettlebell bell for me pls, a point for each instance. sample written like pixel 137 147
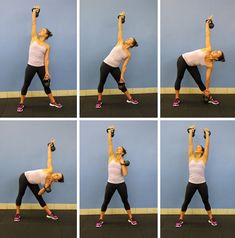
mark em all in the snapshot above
pixel 37 12
pixel 123 18
pixel 112 131
pixel 205 134
pixel 127 162
pixel 210 23
pixel 48 189
pixel 46 83
pixel 193 131
pixel 52 145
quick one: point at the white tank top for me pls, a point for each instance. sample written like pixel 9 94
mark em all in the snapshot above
pixel 194 58
pixel 36 176
pixel 196 171
pixel 115 172
pixel 36 54
pixel 116 56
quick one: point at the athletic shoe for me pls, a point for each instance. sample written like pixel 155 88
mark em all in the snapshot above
pixel 179 223
pixel 52 216
pixel 176 102
pixel 99 223
pixel 17 218
pixel 132 221
pixel 20 107
pixel 55 104
pixel 213 222
pixel 98 104
pixel 133 101
pixel 212 101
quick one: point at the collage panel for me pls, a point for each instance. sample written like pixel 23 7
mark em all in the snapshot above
pixel 197 170
pixel 122 156
pixel 38 58
pixel 118 58
pixel 196 58
pixel 38 178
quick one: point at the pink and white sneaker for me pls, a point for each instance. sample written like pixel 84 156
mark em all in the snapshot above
pixel 99 223
pixel 52 216
pixel 132 221
pixel 179 223
pixel 98 104
pixel 213 222
pixel 17 218
pixel 132 101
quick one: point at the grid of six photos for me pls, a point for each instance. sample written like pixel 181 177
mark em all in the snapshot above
pixel 120 116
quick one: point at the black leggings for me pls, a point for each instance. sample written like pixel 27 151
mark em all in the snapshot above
pixel 110 190
pixel 115 72
pixel 23 183
pixel 190 191
pixel 193 70
pixel 30 71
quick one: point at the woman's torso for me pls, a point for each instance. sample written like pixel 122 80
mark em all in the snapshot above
pixel 115 172
pixel 37 54
pixel 197 171
pixel 116 56
pixel 195 58
pixel 36 176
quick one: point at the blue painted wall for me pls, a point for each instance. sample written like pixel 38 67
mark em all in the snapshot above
pixel 219 170
pixel 183 30
pixel 24 147
pixel 60 18
pixel 98 35
pixel 140 141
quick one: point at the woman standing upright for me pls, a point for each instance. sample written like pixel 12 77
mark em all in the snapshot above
pixel 38 62
pixel 197 162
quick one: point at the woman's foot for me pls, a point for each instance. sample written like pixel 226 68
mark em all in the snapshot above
pixel 99 223
pixel 98 104
pixel 179 223
pixel 209 99
pixel 132 221
pixel 132 101
pixel 20 107
pixel 55 104
pixel 176 102
pixel 52 216
pixel 213 222
pixel 17 218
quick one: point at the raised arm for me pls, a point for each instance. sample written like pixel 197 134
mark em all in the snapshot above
pixel 191 131
pixel 34 28
pixel 120 35
pixel 124 67
pixel 110 143
pixel 208 33
pixel 49 156
pixel 207 143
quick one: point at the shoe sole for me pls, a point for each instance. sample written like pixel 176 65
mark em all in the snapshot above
pixel 213 103
pixel 49 217
pixel 53 105
pixel 131 102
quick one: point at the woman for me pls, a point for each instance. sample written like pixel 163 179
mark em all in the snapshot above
pixel 38 62
pixel 191 60
pixel 32 179
pixel 197 164
pixel 119 54
pixel 117 170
